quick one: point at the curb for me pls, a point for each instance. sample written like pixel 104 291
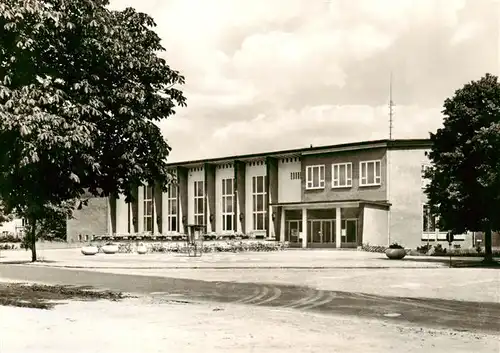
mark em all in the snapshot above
pixel 232 267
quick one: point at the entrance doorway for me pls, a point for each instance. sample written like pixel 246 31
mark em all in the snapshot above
pixel 321 231
pixel 349 235
pixel 293 228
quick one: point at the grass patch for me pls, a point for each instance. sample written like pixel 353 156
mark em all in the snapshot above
pixel 46 297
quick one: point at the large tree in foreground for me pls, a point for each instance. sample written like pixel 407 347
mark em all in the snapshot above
pixel 464 190
pixel 81 88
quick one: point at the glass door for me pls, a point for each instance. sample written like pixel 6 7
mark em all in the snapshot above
pixel 294 228
pixel 328 226
pixel 320 231
pixel 349 233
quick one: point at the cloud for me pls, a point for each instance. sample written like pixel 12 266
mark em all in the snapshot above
pixel 279 74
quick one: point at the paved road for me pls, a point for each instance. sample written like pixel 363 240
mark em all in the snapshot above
pixel 458 315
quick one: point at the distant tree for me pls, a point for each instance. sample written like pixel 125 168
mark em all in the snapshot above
pixel 4 216
pixel 81 88
pixel 464 190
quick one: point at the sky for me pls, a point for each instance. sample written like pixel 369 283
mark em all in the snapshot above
pixel 265 75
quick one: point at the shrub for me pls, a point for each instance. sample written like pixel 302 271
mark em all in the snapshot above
pixel 9 238
pixel 439 250
pixel 8 246
pixel 395 246
pixel 125 248
pixel 223 246
pixel 373 248
pixel 424 249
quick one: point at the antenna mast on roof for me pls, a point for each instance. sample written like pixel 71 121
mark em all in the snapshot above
pixel 391 110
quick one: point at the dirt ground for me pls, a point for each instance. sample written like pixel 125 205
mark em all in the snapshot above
pixel 153 324
pixel 46 296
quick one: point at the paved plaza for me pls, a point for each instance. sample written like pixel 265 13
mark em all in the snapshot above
pixel 419 299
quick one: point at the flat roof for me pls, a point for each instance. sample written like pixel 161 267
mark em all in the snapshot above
pixel 352 146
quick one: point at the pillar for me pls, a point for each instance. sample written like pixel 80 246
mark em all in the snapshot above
pixel 182 198
pixel 131 226
pixel 282 225
pixel 240 195
pixel 304 227
pixel 157 204
pixel 209 188
pixel 338 227
pixel 140 209
pixel 272 194
pixel 132 206
pixel 109 217
pixel 164 211
pixel 122 217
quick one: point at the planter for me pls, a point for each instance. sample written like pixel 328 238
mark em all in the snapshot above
pixel 395 254
pixel 110 249
pixel 142 249
pixel 90 250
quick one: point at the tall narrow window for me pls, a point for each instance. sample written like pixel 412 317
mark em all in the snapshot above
pixel 429 220
pixel 227 204
pixel 259 202
pixel 148 208
pixel 199 204
pixel 172 208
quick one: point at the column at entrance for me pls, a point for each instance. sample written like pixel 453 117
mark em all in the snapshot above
pixel 282 225
pixel 304 227
pixel 338 228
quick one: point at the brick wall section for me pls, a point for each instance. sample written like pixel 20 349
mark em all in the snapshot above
pixel 372 193
pixel 272 193
pixel 91 220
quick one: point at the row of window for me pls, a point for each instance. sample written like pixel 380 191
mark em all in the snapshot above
pixel 171 209
pixel 259 205
pixel 342 175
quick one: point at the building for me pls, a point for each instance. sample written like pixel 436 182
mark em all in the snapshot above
pixel 15 228
pixel 340 196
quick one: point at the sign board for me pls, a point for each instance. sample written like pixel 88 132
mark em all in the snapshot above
pixel 450 237
pixel 344 232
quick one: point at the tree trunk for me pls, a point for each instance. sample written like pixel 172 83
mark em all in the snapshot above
pixel 33 239
pixel 488 253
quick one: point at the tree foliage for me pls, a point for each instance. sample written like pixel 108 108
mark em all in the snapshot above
pixel 465 156
pixel 81 87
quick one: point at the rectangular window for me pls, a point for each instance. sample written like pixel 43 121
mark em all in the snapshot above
pixel 259 202
pixel 369 173
pixel 429 220
pixel 172 208
pixel 199 202
pixel 315 177
pixel 148 208
pixel 227 205
pixel 341 175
